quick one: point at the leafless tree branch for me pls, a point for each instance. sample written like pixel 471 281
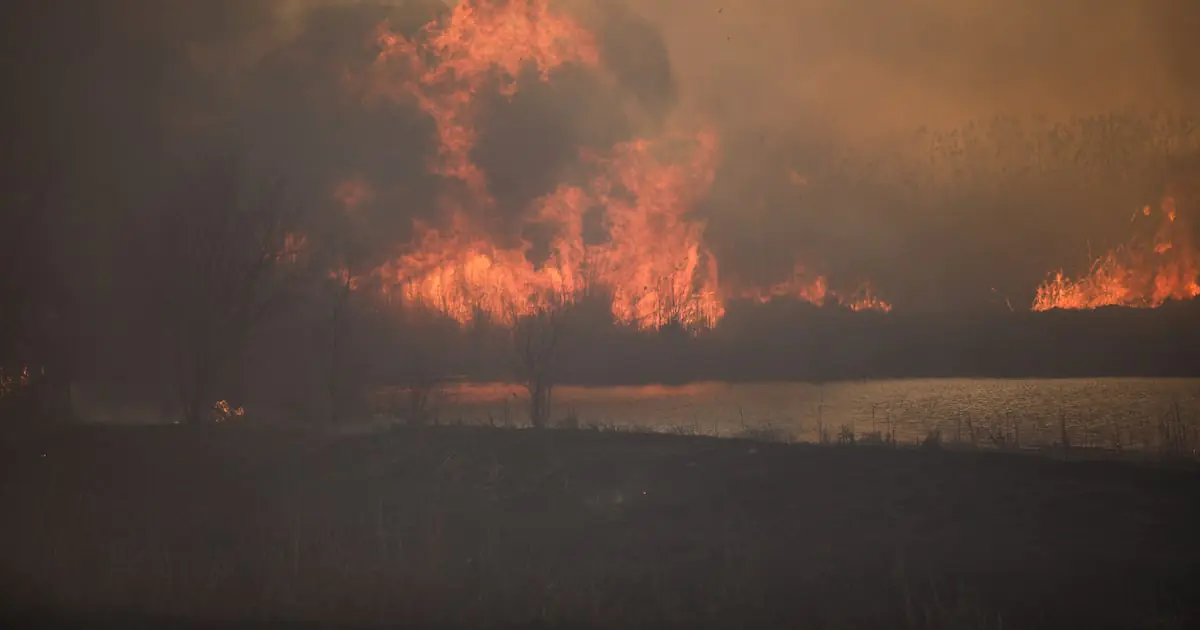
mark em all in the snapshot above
pixel 537 339
pixel 227 263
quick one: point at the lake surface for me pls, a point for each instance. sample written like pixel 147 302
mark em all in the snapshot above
pixel 1112 413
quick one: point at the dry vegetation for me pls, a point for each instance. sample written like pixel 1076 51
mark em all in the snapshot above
pixel 530 528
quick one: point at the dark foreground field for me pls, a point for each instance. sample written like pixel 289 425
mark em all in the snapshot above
pixel 172 527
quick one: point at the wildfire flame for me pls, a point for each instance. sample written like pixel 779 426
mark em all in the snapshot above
pixel 1138 275
pixel 225 412
pixel 652 260
pixel 814 289
pixel 353 193
pixel 482 42
pixel 345 278
pixel 22 380
pixel 294 244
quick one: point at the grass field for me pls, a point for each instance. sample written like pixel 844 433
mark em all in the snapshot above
pixel 162 527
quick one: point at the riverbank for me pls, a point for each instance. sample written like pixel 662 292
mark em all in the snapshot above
pixel 491 527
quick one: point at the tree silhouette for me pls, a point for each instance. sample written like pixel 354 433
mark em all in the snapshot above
pixel 227 263
pixel 537 339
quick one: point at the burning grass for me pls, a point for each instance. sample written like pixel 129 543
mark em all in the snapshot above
pixel 651 260
pixel 647 251
pixel 1141 274
pixel 491 527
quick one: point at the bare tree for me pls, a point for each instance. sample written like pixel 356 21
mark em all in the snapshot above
pixel 405 359
pixel 227 263
pixel 333 368
pixel 425 353
pixel 337 372
pixel 537 339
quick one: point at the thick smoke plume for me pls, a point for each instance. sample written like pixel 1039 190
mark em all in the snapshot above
pixel 952 153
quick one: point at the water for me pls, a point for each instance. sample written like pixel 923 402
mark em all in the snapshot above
pixel 1109 413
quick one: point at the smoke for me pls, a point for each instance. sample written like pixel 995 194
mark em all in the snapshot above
pixel 284 82
pixel 832 116
pixel 916 127
pixel 869 68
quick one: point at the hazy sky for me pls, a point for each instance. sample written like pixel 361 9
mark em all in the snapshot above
pixel 847 95
pixel 867 67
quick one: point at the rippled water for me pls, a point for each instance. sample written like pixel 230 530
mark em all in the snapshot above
pixel 1126 413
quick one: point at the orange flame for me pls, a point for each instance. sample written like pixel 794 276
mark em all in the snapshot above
pixel 23 379
pixel 1137 275
pixel 482 41
pixel 294 244
pixel 651 261
pixel 865 299
pixel 352 194
pixel 815 290
pixel 226 412
pixel 346 279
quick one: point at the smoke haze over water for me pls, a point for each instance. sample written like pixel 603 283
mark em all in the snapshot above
pixel 831 115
